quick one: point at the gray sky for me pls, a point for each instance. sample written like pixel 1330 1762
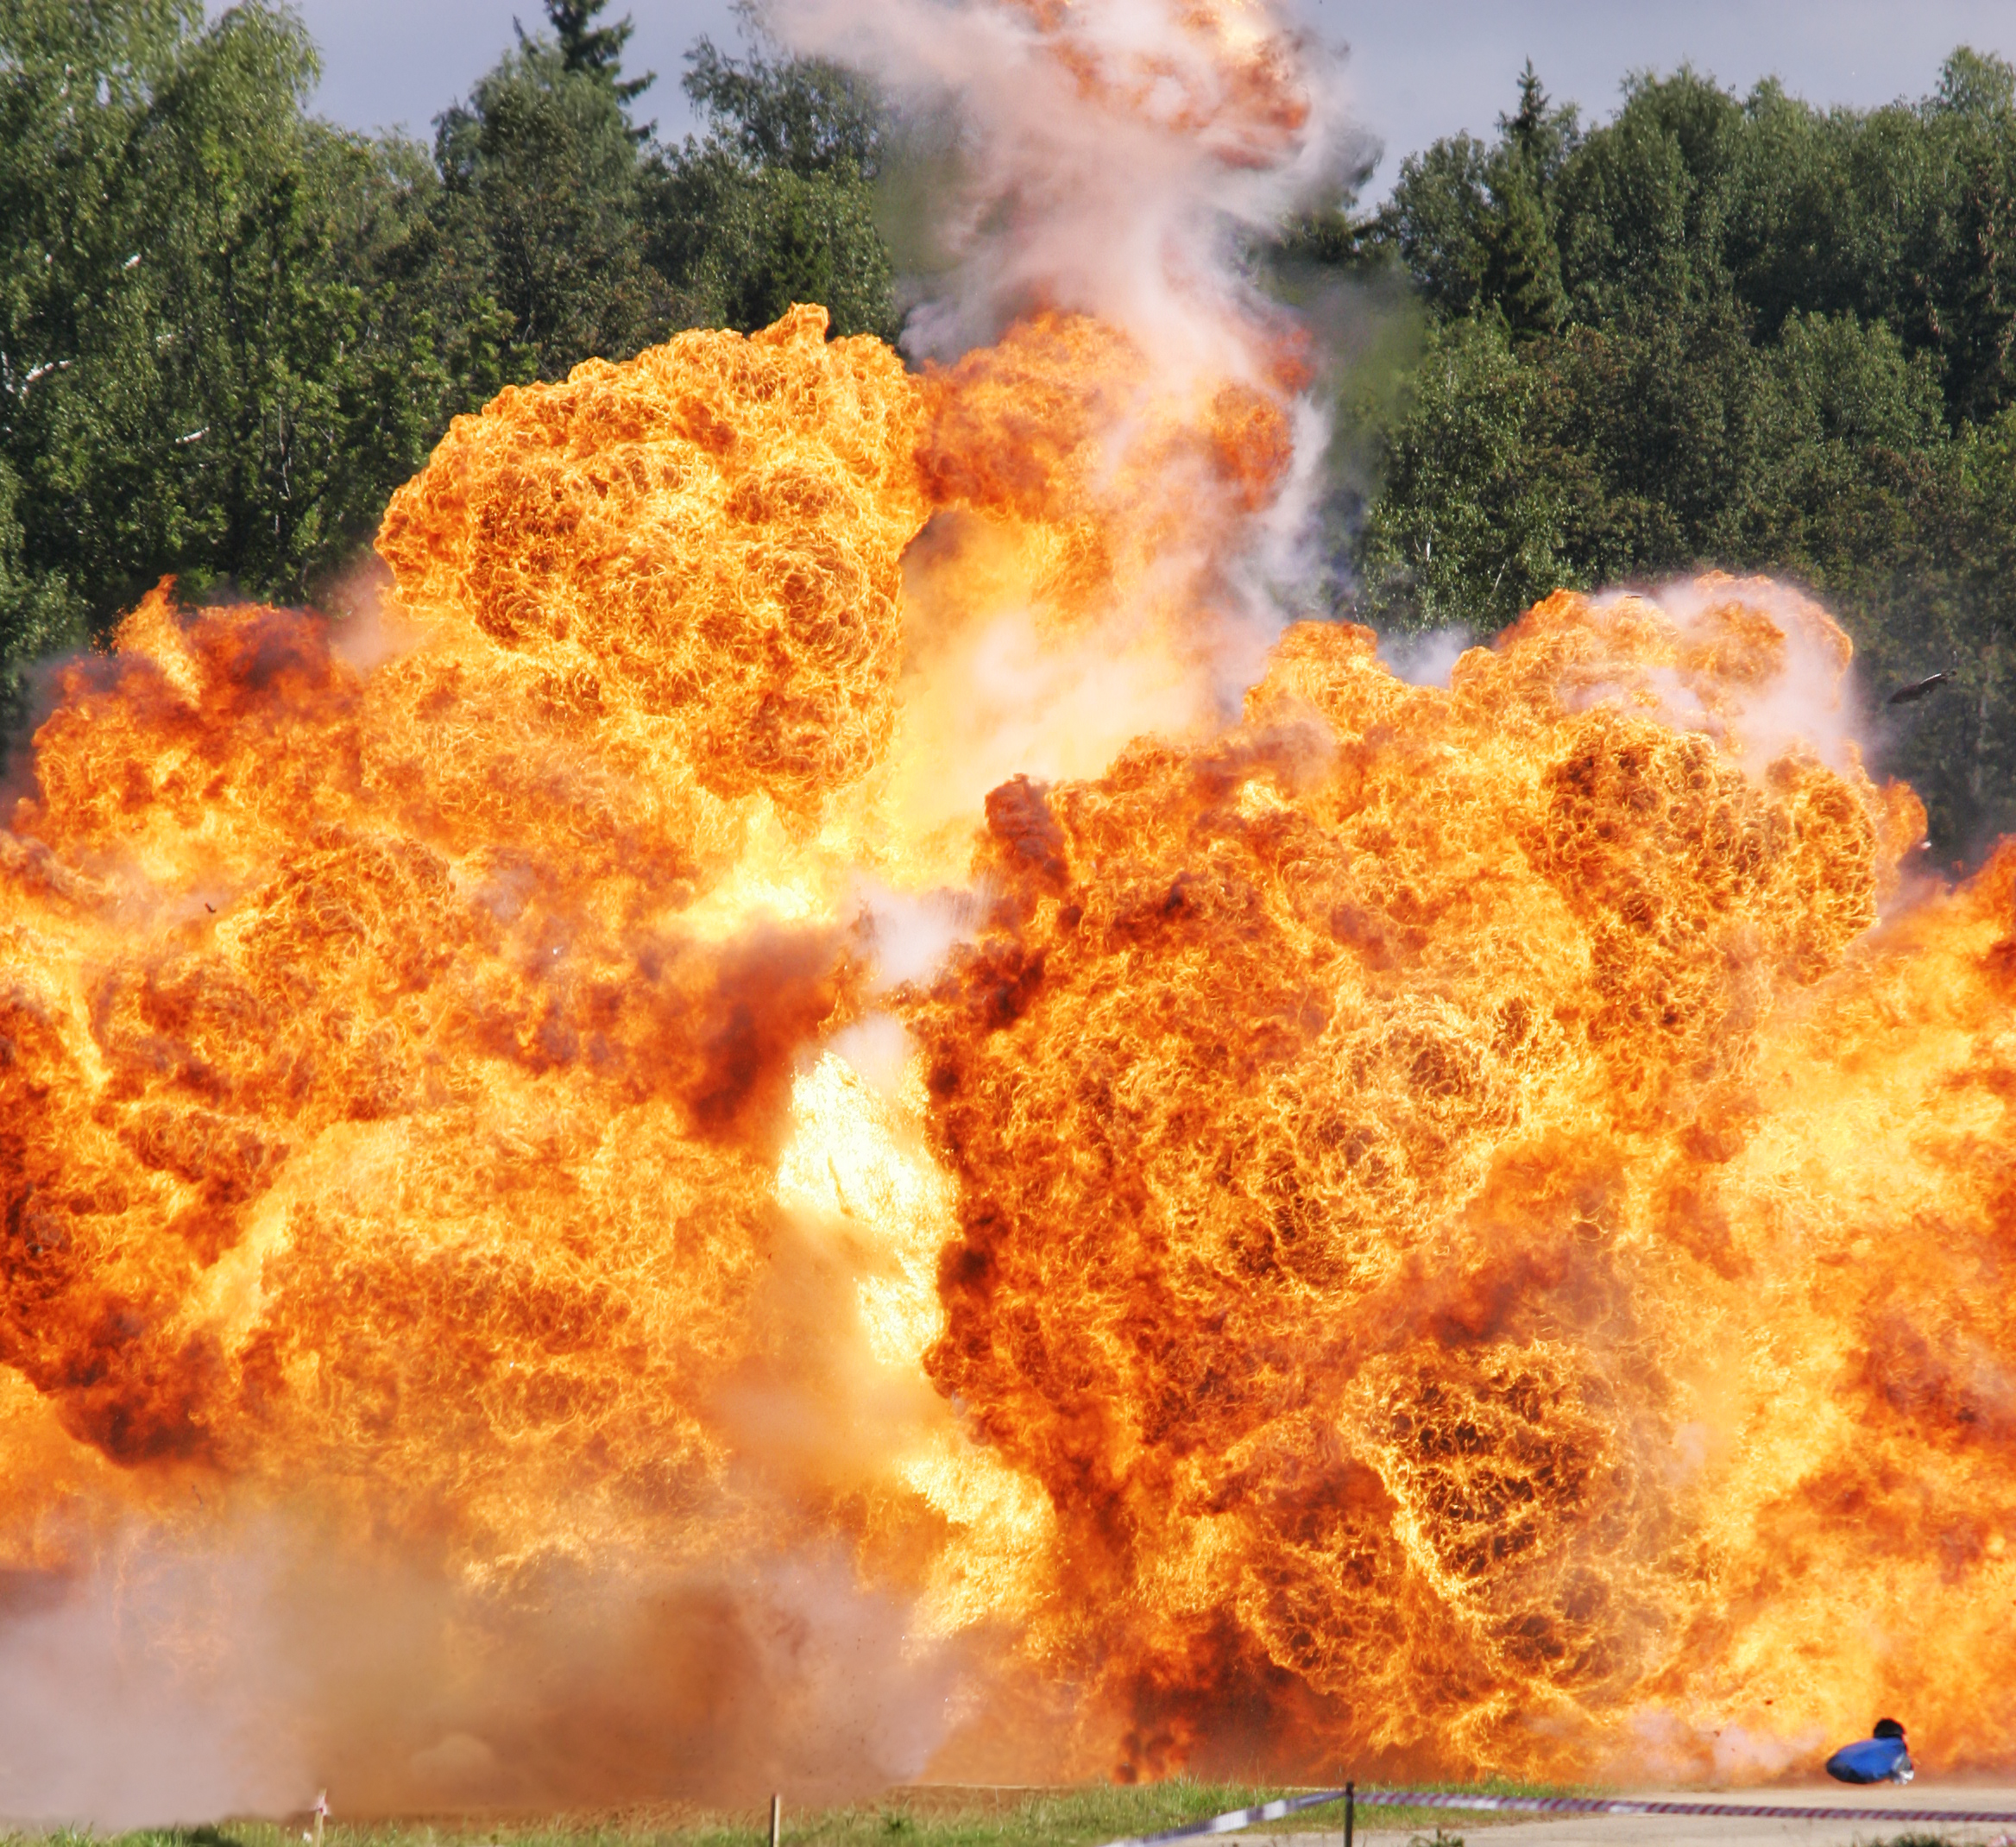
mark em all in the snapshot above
pixel 1417 70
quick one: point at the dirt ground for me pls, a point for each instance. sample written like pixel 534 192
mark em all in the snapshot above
pixel 1722 1830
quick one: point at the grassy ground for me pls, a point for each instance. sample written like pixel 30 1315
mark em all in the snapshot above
pixel 1054 1818
pixel 914 1818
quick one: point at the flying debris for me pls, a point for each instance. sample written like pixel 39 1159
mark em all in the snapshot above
pixel 1880 1758
pixel 1917 691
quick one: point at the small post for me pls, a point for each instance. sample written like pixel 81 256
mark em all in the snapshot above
pixel 776 1820
pixel 1351 1807
pixel 321 1812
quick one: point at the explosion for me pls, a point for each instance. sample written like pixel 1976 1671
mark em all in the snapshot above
pixel 1493 1242
pixel 762 1140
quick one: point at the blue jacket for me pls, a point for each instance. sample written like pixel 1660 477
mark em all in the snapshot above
pixel 1871 1761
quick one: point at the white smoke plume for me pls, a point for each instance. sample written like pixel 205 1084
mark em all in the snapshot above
pixel 1112 156
pixel 1119 159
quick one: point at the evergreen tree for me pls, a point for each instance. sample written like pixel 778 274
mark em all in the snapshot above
pixel 597 51
pixel 1540 135
pixel 1522 263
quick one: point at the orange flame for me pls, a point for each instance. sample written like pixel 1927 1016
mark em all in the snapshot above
pixel 1494 1250
pixel 1446 1228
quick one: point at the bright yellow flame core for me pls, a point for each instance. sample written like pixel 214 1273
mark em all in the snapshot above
pixel 1473 1224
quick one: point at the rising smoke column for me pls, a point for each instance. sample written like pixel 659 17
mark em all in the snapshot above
pixel 770 1142
pixel 1108 159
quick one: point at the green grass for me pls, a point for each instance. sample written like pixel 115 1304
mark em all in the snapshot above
pixel 926 1818
pixel 911 1818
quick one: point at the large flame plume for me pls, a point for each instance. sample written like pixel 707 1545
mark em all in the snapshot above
pixel 760 1141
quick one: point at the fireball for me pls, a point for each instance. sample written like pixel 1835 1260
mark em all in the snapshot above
pixel 809 1118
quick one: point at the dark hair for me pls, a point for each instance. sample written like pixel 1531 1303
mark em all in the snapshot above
pixel 1887 1728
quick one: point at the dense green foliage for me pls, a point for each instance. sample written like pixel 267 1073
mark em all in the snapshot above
pixel 1724 331
pixel 596 51
pixel 1713 330
pixel 227 330
pixel 222 330
pixel 776 204
pixel 542 185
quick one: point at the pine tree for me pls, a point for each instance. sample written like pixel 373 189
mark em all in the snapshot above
pixel 1522 270
pixel 596 50
pixel 1529 119
pixel 1540 132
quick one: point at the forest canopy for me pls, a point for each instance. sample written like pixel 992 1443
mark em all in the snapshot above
pixel 1711 330
pixel 1717 330
pixel 228 329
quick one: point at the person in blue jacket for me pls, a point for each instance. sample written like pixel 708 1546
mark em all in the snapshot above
pixel 1880 1758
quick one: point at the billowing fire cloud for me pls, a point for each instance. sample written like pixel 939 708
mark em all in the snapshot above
pixel 761 1144
pixel 1495 1245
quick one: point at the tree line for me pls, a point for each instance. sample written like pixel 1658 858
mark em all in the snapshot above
pixel 1713 330
pixel 229 329
pixel 1717 330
